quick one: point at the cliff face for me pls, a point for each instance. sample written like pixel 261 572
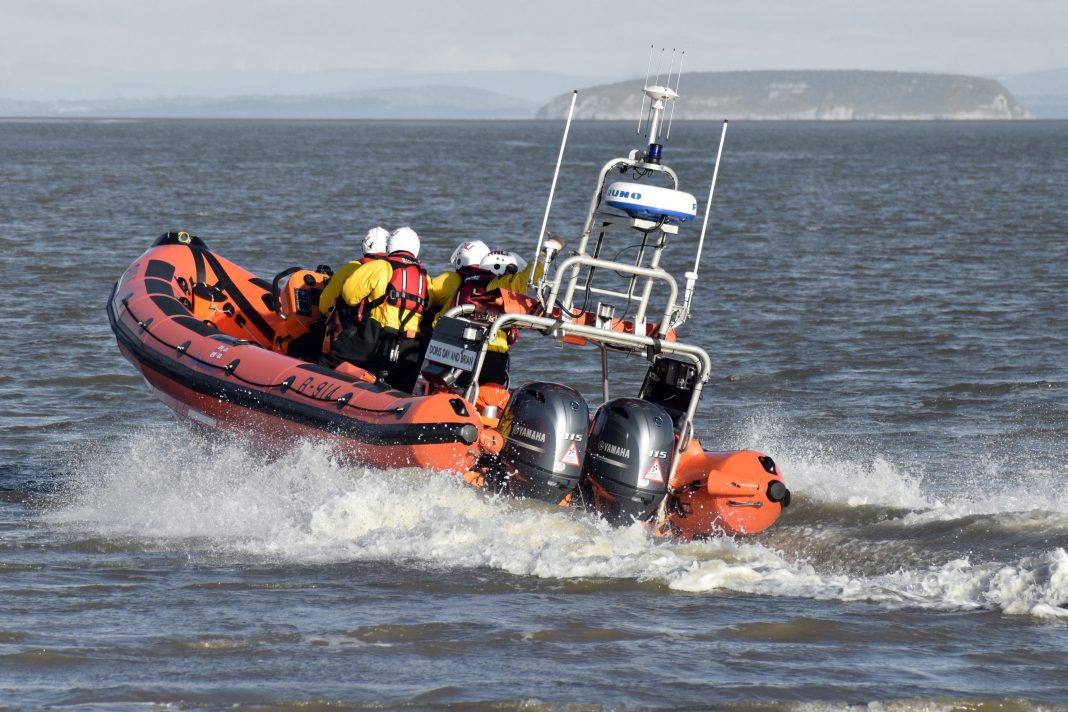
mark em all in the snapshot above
pixel 805 95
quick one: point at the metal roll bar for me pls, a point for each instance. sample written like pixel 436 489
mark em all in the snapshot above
pixel 650 273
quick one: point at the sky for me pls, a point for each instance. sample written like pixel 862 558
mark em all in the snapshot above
pixel 43 41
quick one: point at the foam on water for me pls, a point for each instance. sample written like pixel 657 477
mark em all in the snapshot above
pixel 309 507
pixel 825 474
pixel 990 483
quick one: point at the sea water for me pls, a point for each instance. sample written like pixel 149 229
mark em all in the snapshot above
pixel 885 308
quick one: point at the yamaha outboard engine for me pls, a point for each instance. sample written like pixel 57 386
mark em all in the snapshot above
pixel 545 429
pixel 625 476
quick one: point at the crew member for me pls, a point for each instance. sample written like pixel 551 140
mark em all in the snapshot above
pixel 337 316
pixel 465 261
pixel 374 248
pixel 392 294
pixel 493 270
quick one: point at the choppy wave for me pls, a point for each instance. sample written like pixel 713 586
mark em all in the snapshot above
pixel 869 532
pixel 991 480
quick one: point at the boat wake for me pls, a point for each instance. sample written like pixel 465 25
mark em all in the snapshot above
pixel 858 531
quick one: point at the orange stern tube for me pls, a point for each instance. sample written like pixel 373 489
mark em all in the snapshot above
pixel 734 492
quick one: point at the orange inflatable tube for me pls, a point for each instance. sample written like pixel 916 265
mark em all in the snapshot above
pixel 735 492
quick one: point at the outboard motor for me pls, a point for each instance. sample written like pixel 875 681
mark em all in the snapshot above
pixel 625 476
pixel 545 429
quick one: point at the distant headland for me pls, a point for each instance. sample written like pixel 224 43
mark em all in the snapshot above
pixel 806 95
pixel 754 95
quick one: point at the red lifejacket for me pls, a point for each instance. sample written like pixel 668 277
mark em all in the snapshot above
pixel 474 281
pixel 407 288
pixel 372 257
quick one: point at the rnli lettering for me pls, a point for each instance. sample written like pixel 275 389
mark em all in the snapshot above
pixel 613 449
pixel 525 432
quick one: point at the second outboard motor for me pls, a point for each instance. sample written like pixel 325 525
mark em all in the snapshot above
pixel 626 472
pixel 545 429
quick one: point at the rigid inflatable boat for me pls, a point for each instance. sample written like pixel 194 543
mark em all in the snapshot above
pixel 234 352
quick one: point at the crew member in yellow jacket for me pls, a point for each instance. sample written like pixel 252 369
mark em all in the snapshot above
pixel 479 271
pixel 386 300
pixel 375 246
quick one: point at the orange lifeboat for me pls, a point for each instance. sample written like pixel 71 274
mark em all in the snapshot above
pixel 213 342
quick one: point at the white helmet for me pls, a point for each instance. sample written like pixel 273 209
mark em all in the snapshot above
pixel 469 254
pixel 403 239
pixel 501 262
pixel 374 242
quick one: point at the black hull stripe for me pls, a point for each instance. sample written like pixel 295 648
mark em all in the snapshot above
pixel 278 407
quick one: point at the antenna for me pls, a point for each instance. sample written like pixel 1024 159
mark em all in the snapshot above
pixel 671 67
pixel 641 109
pixel 678 81
pixel 659 97
pixel 667 83
pixel 552 188
pixel 691 277
pixel 645 89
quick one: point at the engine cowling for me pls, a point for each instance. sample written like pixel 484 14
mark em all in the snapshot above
pixel 545 429
pixel 625 475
